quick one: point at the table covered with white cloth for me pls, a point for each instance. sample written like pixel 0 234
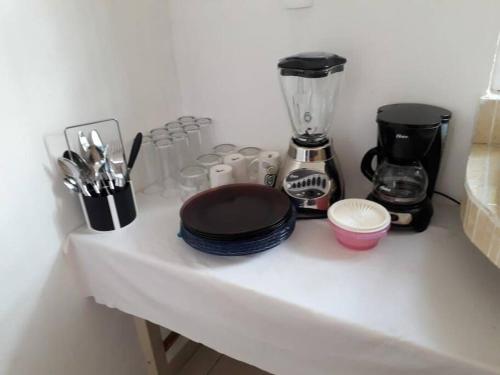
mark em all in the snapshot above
pixel 425 303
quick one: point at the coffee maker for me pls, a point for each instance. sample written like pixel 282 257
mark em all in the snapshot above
pixel 311 174
pixel 410 141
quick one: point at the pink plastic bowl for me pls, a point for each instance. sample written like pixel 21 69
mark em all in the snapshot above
pixel 357 240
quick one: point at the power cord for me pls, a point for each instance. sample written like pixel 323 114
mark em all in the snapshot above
pixel 447 197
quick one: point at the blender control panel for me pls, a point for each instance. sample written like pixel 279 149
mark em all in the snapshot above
pixel 307 184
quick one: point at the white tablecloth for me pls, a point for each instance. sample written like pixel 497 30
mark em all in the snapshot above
pixel 425 303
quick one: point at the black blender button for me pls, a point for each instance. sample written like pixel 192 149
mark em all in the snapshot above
pixel 294 185
pixel 323 184
pixel 318 181
pixel 308 182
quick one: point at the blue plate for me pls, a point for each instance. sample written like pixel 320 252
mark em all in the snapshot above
pixel 251 245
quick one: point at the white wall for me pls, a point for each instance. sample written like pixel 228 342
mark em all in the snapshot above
pixel 436 52
pixel 61 63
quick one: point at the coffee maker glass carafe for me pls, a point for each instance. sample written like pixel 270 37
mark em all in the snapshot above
pixel 397 183
pixel 310 84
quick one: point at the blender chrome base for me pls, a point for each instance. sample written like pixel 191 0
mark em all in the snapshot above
pixel 311 177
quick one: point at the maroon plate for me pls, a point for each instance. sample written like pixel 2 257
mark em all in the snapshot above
pixel 235 211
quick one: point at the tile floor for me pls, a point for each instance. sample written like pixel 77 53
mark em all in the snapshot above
pixel 206 361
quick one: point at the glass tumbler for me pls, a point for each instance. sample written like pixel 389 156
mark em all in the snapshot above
pixel 167 156
pixel 173 126
pixel 187 119
pixel 180 140
pixel 146 138
pixel 160 136
pixel 193 179
pixel 152 178
pixel 250 153
pixel 194 139
pixel 207 133
pixel 203 121
pixel 158 131
pixel 209 160
pixel 224 149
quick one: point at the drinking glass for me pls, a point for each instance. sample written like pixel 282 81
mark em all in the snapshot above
pixel 180 140
pixel 208 160
pixel 193 179
pixel 152 178
pixel 207 136
pixel 173 126
pixel 158 131
pixel 167 156
pixel 250 153
pixel 187 119
pixel 224 149
pixel 194 139
pixel 160 136
pixel 203 121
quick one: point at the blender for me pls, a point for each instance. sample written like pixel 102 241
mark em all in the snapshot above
pixel 311 175
pixel 410 140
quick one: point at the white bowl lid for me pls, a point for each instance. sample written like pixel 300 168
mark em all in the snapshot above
pixel 359 215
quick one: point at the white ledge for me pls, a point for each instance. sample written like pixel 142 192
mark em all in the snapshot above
pixel 481 208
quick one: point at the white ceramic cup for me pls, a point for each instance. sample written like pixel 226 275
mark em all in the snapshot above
pixel 221 174
pixel 264 169
pixel 240 166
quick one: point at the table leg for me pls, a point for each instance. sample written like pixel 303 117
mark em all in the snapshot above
pixel 152 346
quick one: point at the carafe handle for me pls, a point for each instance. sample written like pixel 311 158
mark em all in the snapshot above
pixel 366 163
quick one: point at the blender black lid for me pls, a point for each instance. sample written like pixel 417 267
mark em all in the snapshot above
pixel 412 114
pixel 311 64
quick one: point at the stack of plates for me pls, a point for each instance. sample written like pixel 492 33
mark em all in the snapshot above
pixel 237 219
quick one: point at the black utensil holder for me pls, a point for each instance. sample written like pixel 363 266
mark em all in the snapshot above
pixel 110 212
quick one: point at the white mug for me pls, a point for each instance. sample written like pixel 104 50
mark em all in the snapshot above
pixel 221 174
pixel 239 164
pixel 264 169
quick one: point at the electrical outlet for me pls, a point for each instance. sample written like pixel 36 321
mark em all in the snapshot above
pixel 297 4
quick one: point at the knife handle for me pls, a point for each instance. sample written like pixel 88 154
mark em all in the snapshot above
pixel 134 151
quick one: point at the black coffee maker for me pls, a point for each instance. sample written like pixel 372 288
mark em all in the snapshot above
pixel 410 140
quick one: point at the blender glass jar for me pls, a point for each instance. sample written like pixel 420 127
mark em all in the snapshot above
pixel 310 83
